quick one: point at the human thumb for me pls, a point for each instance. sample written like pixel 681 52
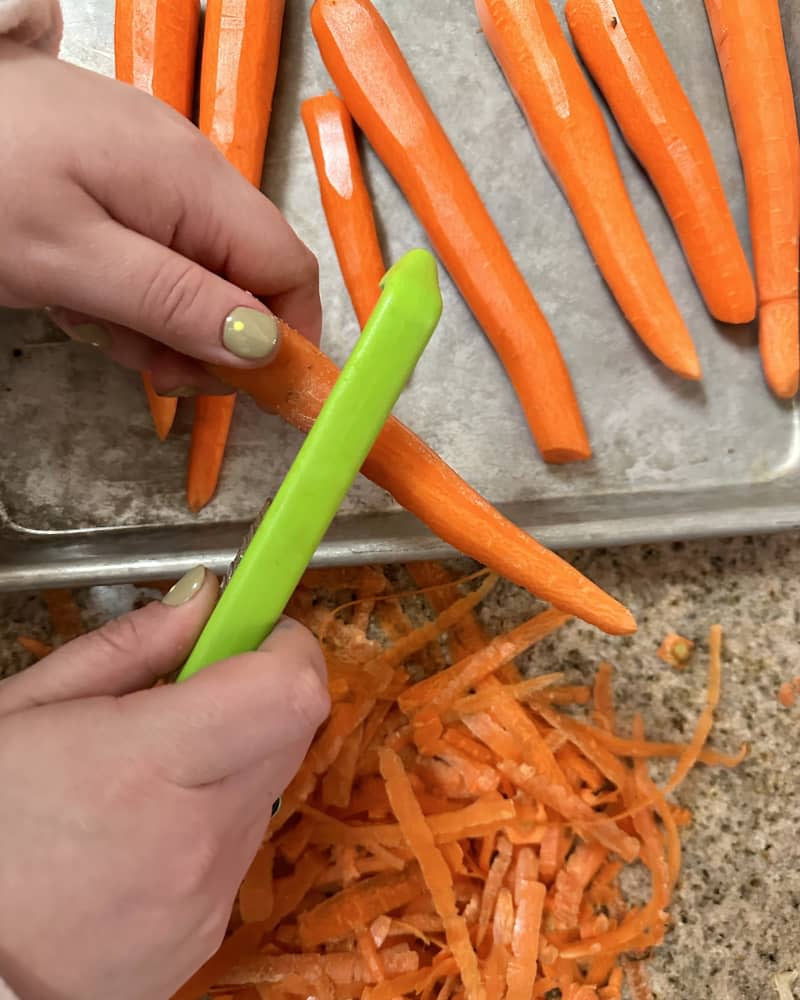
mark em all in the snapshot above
pixel 126 655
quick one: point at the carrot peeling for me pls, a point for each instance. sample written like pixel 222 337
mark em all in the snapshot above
pixel 478 855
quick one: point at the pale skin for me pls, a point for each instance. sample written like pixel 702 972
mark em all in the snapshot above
pixel 129 814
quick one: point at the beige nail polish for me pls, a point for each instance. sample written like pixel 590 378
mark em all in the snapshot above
pixel 181 392
pixel 91 333
pixel 251 334
pixel 185 589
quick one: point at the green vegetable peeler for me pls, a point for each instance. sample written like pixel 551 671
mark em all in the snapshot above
pixel 271 562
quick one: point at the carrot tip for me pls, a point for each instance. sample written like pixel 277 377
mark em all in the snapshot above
pixel 780 348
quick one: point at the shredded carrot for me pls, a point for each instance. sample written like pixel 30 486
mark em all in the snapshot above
pixel 34 646
pixel 65 615
pixel 787 692
pixel 458 837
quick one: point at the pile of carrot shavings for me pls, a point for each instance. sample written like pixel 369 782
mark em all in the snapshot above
pixel 457 831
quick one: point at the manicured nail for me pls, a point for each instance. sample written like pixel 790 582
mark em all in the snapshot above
pixel 181 392
pixel 90 333
pixel 251 334
pixel 185 589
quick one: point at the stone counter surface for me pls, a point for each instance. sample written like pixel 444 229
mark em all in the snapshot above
pixel 736 912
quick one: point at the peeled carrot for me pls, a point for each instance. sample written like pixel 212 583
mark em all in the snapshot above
pixel 155 49
pixel 752 57
pixel 345 200
pixel 296 384
pixel 241 47
pixel 391 109
pixel 622 51
pixel 545 77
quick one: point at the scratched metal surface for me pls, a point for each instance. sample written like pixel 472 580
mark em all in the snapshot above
pixel 88 493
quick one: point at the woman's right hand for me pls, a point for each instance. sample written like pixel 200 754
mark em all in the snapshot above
pixel 130 814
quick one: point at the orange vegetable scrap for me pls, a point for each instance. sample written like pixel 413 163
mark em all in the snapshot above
pixel 676 650
pixel 787 692
pixel 456 836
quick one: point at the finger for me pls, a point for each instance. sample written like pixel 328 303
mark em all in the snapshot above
pixel 154 290
pixel 173 374
pixel 126 655
pixel 215 217
pixel 258 707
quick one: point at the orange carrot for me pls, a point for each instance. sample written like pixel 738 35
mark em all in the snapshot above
pixel 241 944
pixel 65 615
pixel 155 49
pixel 676 650
pixel 296 384
pixel 345 200
pixel 360 904
pixel 34 646
pixel 384 98
pixel 545 77
pixel 622 51
pixel 437 875
pixel 752 57
pixel 241 46
pixel 400 891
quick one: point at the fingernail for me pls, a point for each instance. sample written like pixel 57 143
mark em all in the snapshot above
pixel 251 334
pixel 185 589
pixel 90 333
pixel 181 392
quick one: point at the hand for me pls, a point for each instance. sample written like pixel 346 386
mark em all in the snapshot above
pixel 130 814
pixel 115 208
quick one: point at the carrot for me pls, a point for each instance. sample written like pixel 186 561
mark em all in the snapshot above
pixel 241 46
pixel 752 57
pixel 676 650
pixel 545 77
pixel 341 967
pixel 622 51
pixel 155 49
pixel 35 647
pixel 402 892
pixel 256 893
pixel 234 949
pixel 296 384
pixel 434 869
pixel 64 613
pixel 345 200
pixel 384 98
pixel 360 904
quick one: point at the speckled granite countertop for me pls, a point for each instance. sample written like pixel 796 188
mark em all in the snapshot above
pixel 737 910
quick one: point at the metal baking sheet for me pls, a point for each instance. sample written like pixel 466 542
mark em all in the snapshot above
pixel 88 494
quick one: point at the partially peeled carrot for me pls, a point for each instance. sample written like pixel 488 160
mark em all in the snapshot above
pixel 241 47
pixel 155 49
pixel 544 75
pixel 345 200
pixel 620 47
pixel 385 99
pixel 295 385
pixel 752 56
